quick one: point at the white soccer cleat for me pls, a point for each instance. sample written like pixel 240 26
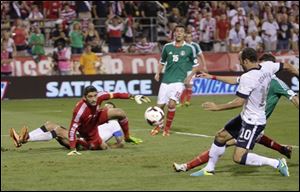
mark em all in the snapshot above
pixel 180 167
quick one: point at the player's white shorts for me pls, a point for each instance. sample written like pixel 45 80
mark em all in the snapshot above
pixel 169 91
pixel 108 130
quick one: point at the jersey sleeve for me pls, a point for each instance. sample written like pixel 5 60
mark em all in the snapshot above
pixel 75 123
pixel 164 55
pixel 273 67
pixel 246 85
pixel 282 89
pixel 194 57
pixel 101 96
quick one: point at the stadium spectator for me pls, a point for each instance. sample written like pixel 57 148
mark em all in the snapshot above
pixel 149 9
pixel 250 6
pixel 195 33
pixel 5 11
pixel 175 16
pixel 295 33
pixel 68 14
pixel 101 10
pixel 51 12
pixel 37 43
pixel 131 9
pixel 76 38
pixel 84 11
pixel 6 68
pixel 62 57
pixel 241 18
pixel 115 27
pixel 253 22
pixel 20 35
pixel 145 47
pixel 92 38
pixel 35 13
pixel 236 38
pixel 254 41
pixel 222 31
pixel 131 48
pixel 208 32
pixel 10 44
pixel 117 8
pixel 284 33
pixel 59 34
pixel 269 33
pixel 89 61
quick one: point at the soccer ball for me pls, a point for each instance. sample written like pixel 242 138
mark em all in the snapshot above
pixel 154 116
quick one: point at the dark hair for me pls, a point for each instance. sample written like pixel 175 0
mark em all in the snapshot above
pixel 180 26
pixel 250 54
pixel 89 89
pixel 267 57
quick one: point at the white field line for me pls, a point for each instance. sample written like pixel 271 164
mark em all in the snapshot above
pixel 182 133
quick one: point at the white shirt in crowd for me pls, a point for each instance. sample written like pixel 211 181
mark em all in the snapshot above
pixel 209 27
pixel 253 43
pixel 236 38
pixel 271 29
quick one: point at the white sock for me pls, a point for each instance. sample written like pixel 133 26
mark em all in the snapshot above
pixel 257 160
pixel 39 135
pixel 214 153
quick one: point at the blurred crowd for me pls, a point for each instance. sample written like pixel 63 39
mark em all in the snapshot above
pixel 30 27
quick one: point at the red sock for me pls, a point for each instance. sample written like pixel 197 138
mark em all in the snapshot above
pixel 170 117
pixel 189 92
pixel 182 97
pixel 125 127
pixel 270 143
pixel 199 160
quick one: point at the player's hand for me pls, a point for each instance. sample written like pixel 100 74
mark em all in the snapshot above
pixel 139 99
pixel 210 106
pixel 73 152
pixel 156 77
pixel 204 75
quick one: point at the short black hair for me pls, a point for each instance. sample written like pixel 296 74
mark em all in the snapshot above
pixel 267 57
pixel 250 54
pixel 89 89
pixel 180 26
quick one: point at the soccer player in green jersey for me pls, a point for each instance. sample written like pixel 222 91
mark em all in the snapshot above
pixel 176 58
pixel 185 98
pixel 277 89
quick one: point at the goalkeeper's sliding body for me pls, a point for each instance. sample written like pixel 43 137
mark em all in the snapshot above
pixel 87 116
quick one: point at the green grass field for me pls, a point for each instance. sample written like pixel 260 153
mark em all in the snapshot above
pixel 148 166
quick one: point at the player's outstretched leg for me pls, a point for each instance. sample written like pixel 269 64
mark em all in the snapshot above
pixel 283 168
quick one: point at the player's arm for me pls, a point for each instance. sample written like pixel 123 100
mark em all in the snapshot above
pixel 202 59
pixel 226 79
pixel 72 138
pixel 159 70
pixel 106 96
pixel 211 106
pixel 295 101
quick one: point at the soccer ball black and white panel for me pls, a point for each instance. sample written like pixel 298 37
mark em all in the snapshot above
pixel 154 115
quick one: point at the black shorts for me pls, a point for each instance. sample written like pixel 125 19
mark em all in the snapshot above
pixel 244 133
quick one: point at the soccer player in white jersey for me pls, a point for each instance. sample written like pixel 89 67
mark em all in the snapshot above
pixel 253 90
